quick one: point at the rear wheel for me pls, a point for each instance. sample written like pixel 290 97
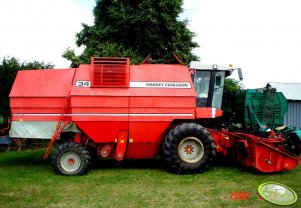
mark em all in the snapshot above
pixel 188 148
pixel 71 159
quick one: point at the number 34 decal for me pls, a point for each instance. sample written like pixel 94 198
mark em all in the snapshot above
pixel 82 84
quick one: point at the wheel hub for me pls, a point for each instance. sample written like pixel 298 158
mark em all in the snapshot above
pixel 191 150
pixel 70 162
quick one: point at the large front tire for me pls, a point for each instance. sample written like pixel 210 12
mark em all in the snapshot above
pixel 71 159
pixel 188 148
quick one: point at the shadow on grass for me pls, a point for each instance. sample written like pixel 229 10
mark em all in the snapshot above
pixel 107 164
pixel 35 158
pixel 227 163
pixel 23 158
pixel 159 164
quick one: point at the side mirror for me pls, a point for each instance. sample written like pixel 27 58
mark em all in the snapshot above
pixel 240 74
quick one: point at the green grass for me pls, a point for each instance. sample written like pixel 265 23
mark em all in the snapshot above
pixel 1 121
pixel 26 180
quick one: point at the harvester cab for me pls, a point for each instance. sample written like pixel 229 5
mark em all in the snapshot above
pixel 209 84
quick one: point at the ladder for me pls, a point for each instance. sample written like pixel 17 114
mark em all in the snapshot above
pixel 60 126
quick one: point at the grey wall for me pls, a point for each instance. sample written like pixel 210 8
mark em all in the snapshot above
pixel 293 116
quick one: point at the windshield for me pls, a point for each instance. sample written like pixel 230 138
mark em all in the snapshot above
pixel 201 83
pixel 209 93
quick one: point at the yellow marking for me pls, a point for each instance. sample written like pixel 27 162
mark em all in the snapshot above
pixel 21 119
pixel 131 140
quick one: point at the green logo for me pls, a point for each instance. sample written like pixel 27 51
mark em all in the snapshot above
pixel 277 193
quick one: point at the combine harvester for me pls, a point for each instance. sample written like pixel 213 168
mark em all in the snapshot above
pixel 127 111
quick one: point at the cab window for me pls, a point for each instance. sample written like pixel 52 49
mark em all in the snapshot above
pixel 218 90
pixel 201 83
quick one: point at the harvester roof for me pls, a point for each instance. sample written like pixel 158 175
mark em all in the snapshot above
pixel 42 83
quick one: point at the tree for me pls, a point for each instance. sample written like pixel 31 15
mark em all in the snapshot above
pixel 8 71
pixel 135 29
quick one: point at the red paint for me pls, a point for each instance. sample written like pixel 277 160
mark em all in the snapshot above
pixel 71 161
pixel 102 131
pixel 121 145
pixel 106 150
pixel 264 154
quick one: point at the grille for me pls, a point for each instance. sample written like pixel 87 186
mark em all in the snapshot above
pixel 110 72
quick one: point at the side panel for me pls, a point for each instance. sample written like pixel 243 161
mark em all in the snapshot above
pixel 146 138
pixel 40 95
pixel 101 117
pixel 36 108
pixel 208 113
pixel 102 131
pixel 37 129
pixel 154 105
pixel 100 112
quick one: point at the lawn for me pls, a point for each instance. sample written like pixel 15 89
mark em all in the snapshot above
pixel 26 180
pixel 1 121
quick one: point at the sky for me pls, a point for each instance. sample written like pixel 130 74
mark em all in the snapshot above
pixel 263 37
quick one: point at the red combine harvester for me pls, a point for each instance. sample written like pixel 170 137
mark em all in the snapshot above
pixel 135 111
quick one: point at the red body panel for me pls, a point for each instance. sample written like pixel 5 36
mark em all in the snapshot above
pixel 102 112
pixel 42 83
pixel 102 131
pixel 40 95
